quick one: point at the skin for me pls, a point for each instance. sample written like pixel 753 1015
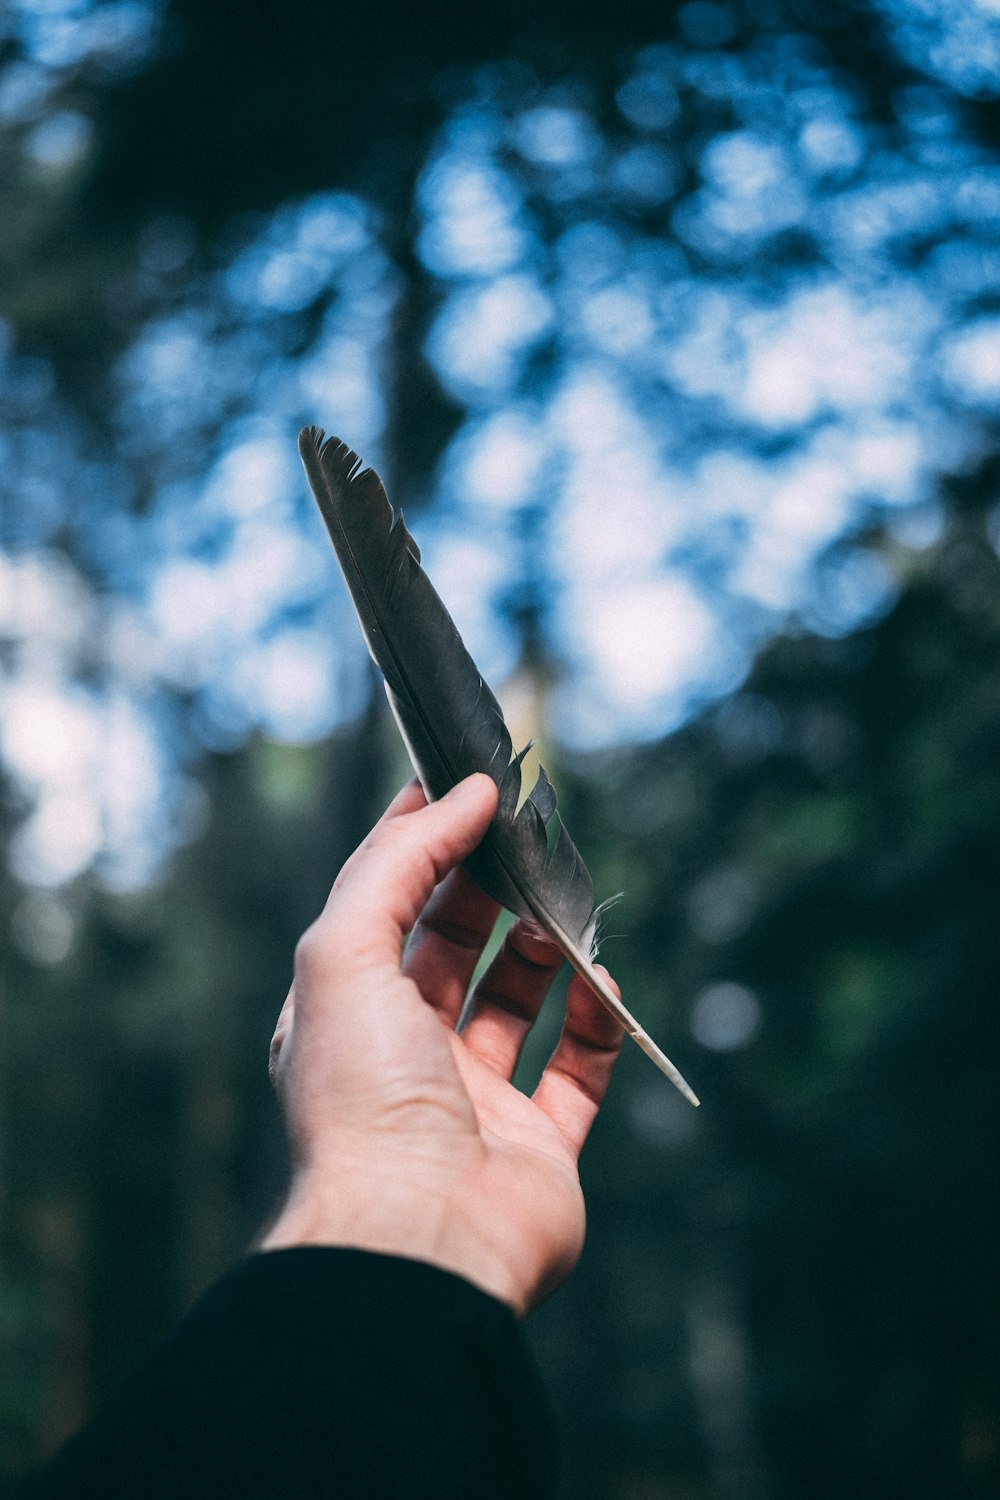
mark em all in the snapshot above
pixel 407 1135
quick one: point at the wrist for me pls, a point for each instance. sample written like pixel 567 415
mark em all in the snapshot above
pixel 393 1219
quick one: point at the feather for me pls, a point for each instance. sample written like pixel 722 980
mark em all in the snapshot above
pixel 450 721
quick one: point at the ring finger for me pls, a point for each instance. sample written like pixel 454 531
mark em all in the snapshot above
pixel 506 1001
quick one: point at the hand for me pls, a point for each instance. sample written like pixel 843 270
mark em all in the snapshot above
pixel 408 1136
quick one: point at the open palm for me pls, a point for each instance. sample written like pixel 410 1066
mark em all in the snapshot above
pixel 408 1135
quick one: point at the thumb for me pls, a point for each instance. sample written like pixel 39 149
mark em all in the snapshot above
pixel 390 879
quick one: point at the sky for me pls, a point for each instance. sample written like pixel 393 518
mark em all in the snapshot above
pixel 669 427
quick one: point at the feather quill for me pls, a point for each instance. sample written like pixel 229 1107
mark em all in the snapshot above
pixel 452 724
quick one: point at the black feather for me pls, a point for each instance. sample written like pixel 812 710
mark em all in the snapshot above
pixel 451 722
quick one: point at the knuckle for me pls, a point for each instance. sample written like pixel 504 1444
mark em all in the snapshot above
pixel 406 846
pixel 468 937
pixel 280 1042
pixel 523 1008
pixel 531 943
pixel 386 847
pixel 312 953
pixel 388 836
pixel 274 1058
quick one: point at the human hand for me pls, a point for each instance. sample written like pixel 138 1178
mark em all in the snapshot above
pixel 407 1136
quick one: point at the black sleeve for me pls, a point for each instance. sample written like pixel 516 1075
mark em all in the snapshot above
pixel 324 1373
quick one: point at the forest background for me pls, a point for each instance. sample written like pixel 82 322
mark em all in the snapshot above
pixel 676 328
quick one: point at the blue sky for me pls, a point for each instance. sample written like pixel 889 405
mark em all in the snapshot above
pixel 689 425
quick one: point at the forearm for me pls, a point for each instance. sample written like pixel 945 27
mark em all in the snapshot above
pixel 325 1373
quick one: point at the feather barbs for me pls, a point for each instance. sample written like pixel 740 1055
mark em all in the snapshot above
pixel 452 724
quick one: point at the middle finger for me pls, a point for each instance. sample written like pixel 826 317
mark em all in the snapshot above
pixel 447 943
pixel 509 996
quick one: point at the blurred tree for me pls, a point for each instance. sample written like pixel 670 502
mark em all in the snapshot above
pixel 672 317
pixel 702 262
pixel 816 864
pixel 143 1150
